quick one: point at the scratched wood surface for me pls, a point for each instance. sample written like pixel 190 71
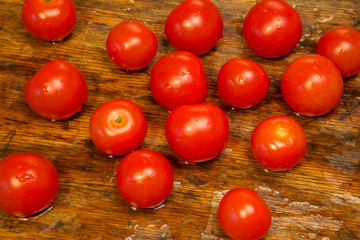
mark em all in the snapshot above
pixel 318 199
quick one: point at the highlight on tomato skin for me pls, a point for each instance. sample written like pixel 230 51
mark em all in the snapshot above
pixel 29 184
pixel 244 215
pixel 278 143
pixel 144 178
pixel 117 127
pixel 57 91
pixel 49 20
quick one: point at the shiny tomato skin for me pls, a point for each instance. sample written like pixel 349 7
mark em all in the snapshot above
pixel 118 127
pixel 312 85
pixel 278 143
pixel 49 20
pixel 131 45
pixel 341 45
pixel 244 215
pixel 29 183
pixel 194 26
pixel 178 78
pixel 198 132
pixel 144 178
pixel 242 83
pixel 272 28
pixel 57 91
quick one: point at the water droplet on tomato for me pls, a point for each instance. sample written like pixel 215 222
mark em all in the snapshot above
pixel 24 177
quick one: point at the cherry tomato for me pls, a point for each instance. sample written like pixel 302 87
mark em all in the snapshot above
pixel 342 46
pixel 178 78
pixel 29 183
pixel 144 178
pixel 49 20
pixel 131 45
pixel 118 127
pixel 312 85
pixel 244 215
pixel 242 83
pixel 278 143
pixel 57 91
pixel 272 28
pixel 197 132
pixel 194 26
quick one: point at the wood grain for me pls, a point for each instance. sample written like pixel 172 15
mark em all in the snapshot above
pixel 318 199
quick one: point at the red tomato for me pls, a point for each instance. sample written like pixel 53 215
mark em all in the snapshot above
pixel 278 143
pixel 194 26
pixel 49 20
pixel 272 28
pixel 118 127
pixel 244 215
pixel 131 45
pixel 197 132
pixel 312 85
pixel 178 78
pixel 57 91
pixel 342 46
pixel 144 178
pixel 29 184
pixel 242 83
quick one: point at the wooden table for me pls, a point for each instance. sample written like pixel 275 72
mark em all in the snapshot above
pixel 318 199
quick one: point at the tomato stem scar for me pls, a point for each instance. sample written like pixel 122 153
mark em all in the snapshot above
pixel 119 119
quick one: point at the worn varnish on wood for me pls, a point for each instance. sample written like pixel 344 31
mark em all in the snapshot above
pixel 318 199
